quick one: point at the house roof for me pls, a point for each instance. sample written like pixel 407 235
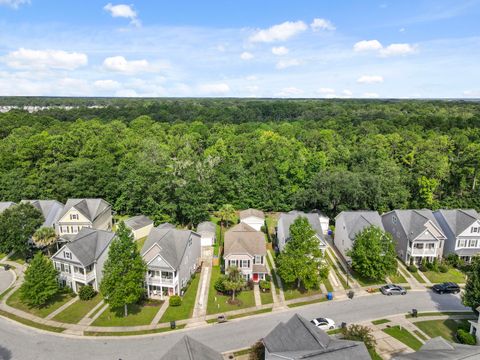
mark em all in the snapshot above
pixel 251 212
pixel 89 244
pixel 356 221
pixel 4 205
pixel 300 339
pixel 459 220
pixel 242 238
pixel 138 222
pixel 206 227
pixel 51 210
pixel 90 208
pixel 440 349
pixel 189 349
pixel 171 244
pixel 166 226
pixel 413 221
pixel 287 219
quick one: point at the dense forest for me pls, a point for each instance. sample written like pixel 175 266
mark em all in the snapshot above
pixel 179 159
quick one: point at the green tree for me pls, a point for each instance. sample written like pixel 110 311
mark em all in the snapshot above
pixel 40 284
pixel 123 272
pixel 361 333
pixel 45 237
pixel 471 296
pixel 234 281
pixel 226 214
pixel 17 225
pixel 373 253
pixel 302 261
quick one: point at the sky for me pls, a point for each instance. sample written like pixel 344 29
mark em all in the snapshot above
pixel 228 48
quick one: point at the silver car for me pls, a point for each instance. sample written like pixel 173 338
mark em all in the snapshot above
pixel 392 289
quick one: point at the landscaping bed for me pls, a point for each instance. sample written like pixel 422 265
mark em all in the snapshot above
pixel 77 311
pixel 59 300
pixel 137 315
pixel 185 310
pixel 404 336
pixel 444 328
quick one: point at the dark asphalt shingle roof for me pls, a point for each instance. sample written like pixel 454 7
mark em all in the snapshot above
pixel 189 349
pixel 206 227
pixel 51 210
pixel 287 219
pixel 251 212
pixel 440 349
pixel 138 222
pixel 413 221
pixel 356 221
pixel 90 208
pixel 459 220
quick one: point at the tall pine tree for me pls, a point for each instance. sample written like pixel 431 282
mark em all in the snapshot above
pixel 123 272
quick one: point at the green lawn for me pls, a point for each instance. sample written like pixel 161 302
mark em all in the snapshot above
pixel 31 323
pixel 328 285
pixel 367 282
pixel 266 297
pixel 337 272
pixel 373 354
pixel 271 220
pixel 59 300
pixel 292 293
pixel 140 243
pixel 417 276
pixel 18 258
pixel 439 313
pixel 302 303
pixel 217 303
pixel 185 310
pixel 272 270
pixel 404 336
pixel 137 315
pixel 452 275
pixel 398 278
pixel 77 311
pixel 2 255
pixel 444 328
pixel 380 321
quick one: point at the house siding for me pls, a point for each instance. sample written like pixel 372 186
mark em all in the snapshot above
pixel 341 240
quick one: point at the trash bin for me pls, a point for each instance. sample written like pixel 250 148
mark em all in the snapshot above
pixel 6 267
pixel 414 313
pixel 351 294
pixel 343 325
pixel 329 296
pixel 173 325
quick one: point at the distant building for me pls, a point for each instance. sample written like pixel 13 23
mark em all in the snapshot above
pixel 207 231
pixel 287 219
pixel 253 217
pixel 189 349
pixel 140 226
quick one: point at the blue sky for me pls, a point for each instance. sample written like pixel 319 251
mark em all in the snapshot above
pixel 360 49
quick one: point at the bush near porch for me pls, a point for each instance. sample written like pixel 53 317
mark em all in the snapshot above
pixel 138 314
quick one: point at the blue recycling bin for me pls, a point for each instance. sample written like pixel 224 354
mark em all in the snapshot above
pixel 329 296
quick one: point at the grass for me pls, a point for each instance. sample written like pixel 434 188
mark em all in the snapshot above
pixel 417 276
pixel 130 333
pixel 31 323
pixel 380 321
pixel 337 272
pixel 293 293
pixel 334 331
pixel 77 311
pixel 328 285
pixel 140 243
pixel 137 315
pixel 444 328
pixel 185 310
pixel 373 354
pixel 273 272
pixel 404 336
pixel 302 303
pixel 440 313
pixel 271 221
pixel 420 335
pixel 2 255
pixel 267 297
pixel 59 300
pixel 242 352
pixel 452 275
pixel 217 303
pixel 256 312
pixel 18 258
pixel 365 281
pixel 398 278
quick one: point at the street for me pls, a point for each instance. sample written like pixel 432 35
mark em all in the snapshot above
pixel 19 342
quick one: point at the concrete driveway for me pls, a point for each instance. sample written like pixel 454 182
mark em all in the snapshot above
pixel 6 278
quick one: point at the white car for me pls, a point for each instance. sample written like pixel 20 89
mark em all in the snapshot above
pixel 323 323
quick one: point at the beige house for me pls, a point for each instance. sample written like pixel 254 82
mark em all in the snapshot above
pixel 244 247
pixel 140 226
pixel 253 217
pixel 80 213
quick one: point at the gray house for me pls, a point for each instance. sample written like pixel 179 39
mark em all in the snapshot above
pixel 50 209
pixel 299 339
pixel 189 349
pixel 286 220
pixel 349 223
pixel 417 233
pixel 172 256
pixel 4 205
pixel 462 229
pixel 80 262
pixel 207 231
pixel 440 349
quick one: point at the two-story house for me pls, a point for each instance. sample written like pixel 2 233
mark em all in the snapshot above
pixel 244 247
pixel 80 262
pixel 50 209
pixel 462 229
pixel 348 224
pixel 286 220
pixel 253 217
pixel 80 213
pixel 417 234
pixel 172 256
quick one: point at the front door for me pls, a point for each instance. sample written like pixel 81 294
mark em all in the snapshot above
pixel 255 277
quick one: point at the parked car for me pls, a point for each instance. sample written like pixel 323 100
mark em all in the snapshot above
pixel 446 288
pixel 392 289
pixel 323 323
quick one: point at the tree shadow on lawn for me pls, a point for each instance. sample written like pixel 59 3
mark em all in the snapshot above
pixel 134 309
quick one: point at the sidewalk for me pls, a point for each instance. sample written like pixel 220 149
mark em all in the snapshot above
pixel 281 295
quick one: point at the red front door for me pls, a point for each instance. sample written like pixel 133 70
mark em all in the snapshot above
pixel 255 277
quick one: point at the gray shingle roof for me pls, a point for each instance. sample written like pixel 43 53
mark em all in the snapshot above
pixel 189 349
pixel 413 221
pixel 440 349
pixel 89 244
pixel 459 220
pixel 299 339
pixel 138 222
pixel 251 212
pixel 172 243
pixel 206 227
pixel 242 238
pixel 90 208
pixel 166 226
pixel 4 205
pixel 287 219
pixel 356 221
pixel 51 210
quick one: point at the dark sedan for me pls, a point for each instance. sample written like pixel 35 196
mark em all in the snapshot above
pixel 446 288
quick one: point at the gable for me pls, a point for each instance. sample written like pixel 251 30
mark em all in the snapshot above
pixel 435 231
pixel 159 262
pixel 73 211
pixel 252 219
pixel 472 231
pixel 60 255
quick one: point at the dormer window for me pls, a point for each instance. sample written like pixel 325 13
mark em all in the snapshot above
pixel 394 219
pixel 475 229
pixel 67 255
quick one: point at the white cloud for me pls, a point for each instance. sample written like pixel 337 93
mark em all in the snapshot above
pixel 347 93
pixel 252 89
pixel 472 93
pixel 367 45
pixel 280 32
pixel 124 11
pixel 106 84
pixel 251 78
pixel 279 50
pixel 246 55
pixel 321 24
pixel 370 79
pixel 283 64
pixel 290 92
pixel 370 95
pixel 397 49
pixel 120 64
pixel 126 93
pixel 15 4
pixel 214 88
pixel 45 59
pixel 325 91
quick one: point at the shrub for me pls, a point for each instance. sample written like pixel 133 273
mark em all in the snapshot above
pixel 86 293
pixel 249 285
pixel 175 300
pixel 360 333
pixel 464 337
pixel 219 284
pixel 258 351
pixel 412 268
pixel 424 265
pixel 263 229
pixel 434 265
pixel 453 260
pixel 264 285
pixel 443 268
pixel 268 277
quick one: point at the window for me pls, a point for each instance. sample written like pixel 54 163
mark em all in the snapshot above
pixel 461 243
pixel 475 229
pixel 472 243
pixel 394 219
pixel 258 259
pixel 245 263
pixel 73 216
pixel 67 255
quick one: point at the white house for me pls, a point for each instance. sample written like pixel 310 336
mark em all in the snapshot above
pixel 80 213
pixel 254 218
pixel 80 262
pixel 287 219
pixel 207 231
pixel 140 226
pixel 324 220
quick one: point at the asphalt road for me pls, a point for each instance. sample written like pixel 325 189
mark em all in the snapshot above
pixel 19 342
